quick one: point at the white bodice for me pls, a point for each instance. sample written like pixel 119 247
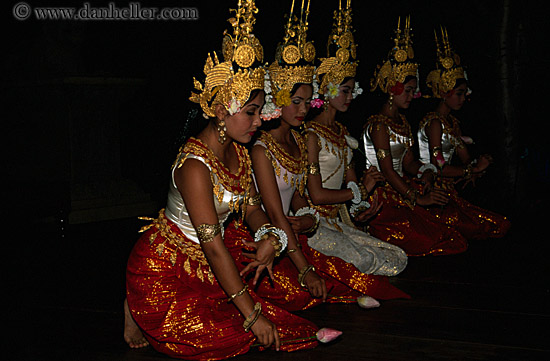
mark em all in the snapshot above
pixel 399 144
pixel 449 140
pixel 287 181
pixel 334 158
pixel 177 212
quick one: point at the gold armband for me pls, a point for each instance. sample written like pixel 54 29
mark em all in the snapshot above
pixel 255 201
pixel 314 169
pixel 207 232
pixel 436 151
pixel 382 153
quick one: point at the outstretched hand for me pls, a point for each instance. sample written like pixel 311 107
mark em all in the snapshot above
pixel 262 259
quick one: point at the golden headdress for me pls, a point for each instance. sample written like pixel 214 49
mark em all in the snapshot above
pixel 443 80
pixel 399 63
pixel 334 69
pixel 293 64
pixel 230 82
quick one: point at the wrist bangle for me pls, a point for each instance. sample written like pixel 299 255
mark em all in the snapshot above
pixel 308 211
pixel 358 208
pixel 364 192
pixel 253 317
pixel 424 168
pixel 355 191
pixel 268 229
pixel 303 272
pixel 240 293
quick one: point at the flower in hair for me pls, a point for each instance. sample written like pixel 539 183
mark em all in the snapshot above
pixel 315 86
pixel 234 106
pixel 317 103
pixel 282 98
pixel 356 90
pixel 332 91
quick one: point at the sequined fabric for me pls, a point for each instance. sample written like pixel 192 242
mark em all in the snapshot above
pixel 185 314
pixel 471 221
pixel 335 238
pixel 343 280
pixel 416 230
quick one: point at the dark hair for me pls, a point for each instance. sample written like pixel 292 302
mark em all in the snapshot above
pixel 459 82
pixel 408 78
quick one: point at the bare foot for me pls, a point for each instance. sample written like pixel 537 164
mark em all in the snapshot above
pixel 132 334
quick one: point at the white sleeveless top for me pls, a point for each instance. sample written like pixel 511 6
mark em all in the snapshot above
pixel 224 201
pixel 400 137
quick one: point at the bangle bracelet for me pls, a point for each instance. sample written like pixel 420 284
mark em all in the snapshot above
pixel 358 208
pixel 307 211
pixel 253 317
pixel 303 273
pixel 355 191
pixel 275 231
pixel 424 168
pixel 240 293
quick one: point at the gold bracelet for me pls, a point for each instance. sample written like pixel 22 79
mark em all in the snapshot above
pixel 315 224
pixel 207 232
pixel 314 168
pixel 364 192
pixel 291 250
pixel 303 273
pixel 253 317
pixel 240 293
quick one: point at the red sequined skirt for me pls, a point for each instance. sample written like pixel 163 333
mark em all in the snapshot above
pixel 182 310
pixel 416 230
pixel 343 280
pixel 471 221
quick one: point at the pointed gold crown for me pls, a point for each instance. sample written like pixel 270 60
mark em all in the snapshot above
pixel 334 69
pixel 294 55
pixel 399 63
pixel 230 82
pixel 448 70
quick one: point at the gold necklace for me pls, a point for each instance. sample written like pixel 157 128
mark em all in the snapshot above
pixel 278 155
pixel 238 183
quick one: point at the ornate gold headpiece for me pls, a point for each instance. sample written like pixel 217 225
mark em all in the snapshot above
pixel 293 64
pixel 230 82
pixel 334 69
pixel 444 80
pixel 399 63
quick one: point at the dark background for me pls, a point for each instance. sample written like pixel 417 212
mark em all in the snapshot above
pixel 95 109
pixel 92 117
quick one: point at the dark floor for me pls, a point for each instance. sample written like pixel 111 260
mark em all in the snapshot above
pixel 490 303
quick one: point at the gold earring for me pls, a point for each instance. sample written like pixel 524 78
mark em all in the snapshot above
pixel 390 101
pixel 222 129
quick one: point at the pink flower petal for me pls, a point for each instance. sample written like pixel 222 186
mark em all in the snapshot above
pixel 325 334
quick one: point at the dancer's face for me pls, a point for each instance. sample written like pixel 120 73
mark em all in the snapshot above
pixel 403 100
pixel 295 113
pixel 455 98
pixel 242 125
pixel 345 95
